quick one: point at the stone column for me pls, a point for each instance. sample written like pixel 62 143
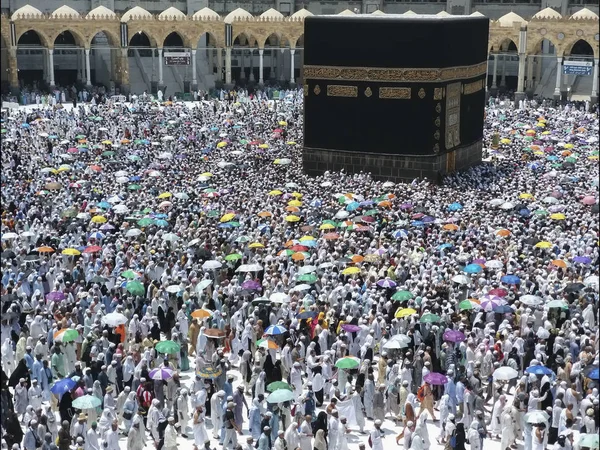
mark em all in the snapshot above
pixel 251 77
pixel 281 65
pixel 80 66
pixel 13 71
pixel 529 81
pixel 495 74
pixel 520 94
pixel 44 66
pixel 123 68
pixel 539 62
pixel 503 80
pixel 242 65
pixel 160 67
pixel 220 64
pixel 594 98
pixel 292 68
pixel 51 64
pixel 272 75
pixel 261 51
pixel 558 78
pixel 194 69
pixel 228 66
pixel 88 72
pixel 153 79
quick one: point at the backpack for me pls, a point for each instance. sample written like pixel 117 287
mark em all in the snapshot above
pixel 421 393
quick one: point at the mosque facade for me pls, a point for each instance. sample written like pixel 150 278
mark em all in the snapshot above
pixel 206 49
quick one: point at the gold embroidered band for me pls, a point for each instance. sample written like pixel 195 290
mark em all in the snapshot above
pixel 401 93
pixel 336 90
pixel 471 88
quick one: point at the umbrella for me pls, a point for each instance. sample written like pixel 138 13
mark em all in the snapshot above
pixel 531 300
pixel 169 347
pixel 348 362
pixel 510 279
pixel 505 373
pixel 275 330
pixel 454 336
pixel 461 279
pixel 435 378
pixel 538 370
pixel 209 373
pixel 405 312
pixel 473 268
pixel 591 441
pixel 594 374
pixel 535 417
pixel 268 344
pixel 214 333
pixel 281 396
pixel 55 296
pixel 429 318
pixel 276 385
pixel 386 283
pixel 557 304
pixel 211 265
pixel 402 296
pixel 351 328
pixel 114 319
pixel 86 402
pixel 135 288
pixel 201 314
pixel 63 386
pixel 161 373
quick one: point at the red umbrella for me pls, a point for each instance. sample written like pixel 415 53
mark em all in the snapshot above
pixel 588 200
pixel 92 249
pixel 299 248
pixel 255 143
pixel 277 130
pixel 499 292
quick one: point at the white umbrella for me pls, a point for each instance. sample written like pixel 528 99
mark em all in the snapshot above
pixel 27 234
pixel 279 297
pixel 307 269
pixel 9 235
pixel 43 134
pixel 212 265
pixel 173 289
pixel 550 200
pixel 154 174
pixel 326 184
pixel 542 333
pixel 171 237
pixel 193 242
pixel 83 216
pixel 168 138
pixel 494 264
pixel 496 202
pixel 393 345
pixel 505 373
pixel 133 232
pixel 181 196
pixel 121 209
pixel 203 285
pixel 507 205
pixel 114 199
pixel 461 279
pixel 249 268
pixel 592 281
pixel 341 214
pixel 292 185
pixel 537 417
pixel 388 184
pixel 121 173
pixel 114 319
pixel 165 204
pixel 326 265
pixel 165 155
pixel 301 287
pixel 122 180
pixel 531 300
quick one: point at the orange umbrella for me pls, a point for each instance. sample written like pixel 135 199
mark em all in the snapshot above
pixel 298 256
pixel 331 236
pixel 450 227
pixel 265 214
pixel 559 263
pixel 45 249
pixel 201 314
pixel 357 258
pixel 503 233
pixel 95 168
pixel 566 153
pixel 288 244
pixel 292 208
pixel 385 204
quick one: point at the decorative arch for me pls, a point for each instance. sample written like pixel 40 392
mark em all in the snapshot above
pixel 299 41
pixel 113 39
pixel 272 40
pixel 169 38
pixel 212 39
pixel 80 41
pixel 578 44
pixel 497 44
pixel 137 27
pixel 140 39
pixel 245 39
pixel 40 35
pixel 534 46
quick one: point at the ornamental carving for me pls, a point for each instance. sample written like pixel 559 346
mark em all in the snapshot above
pixel 368 92
pixel 306 90
pixel 401 93
pixel 453 93
pixel 438 108
pixel 438 93
pixel 336 90
pixel 437 121
pixel 421 93
pixel 377 74
pixel 317 90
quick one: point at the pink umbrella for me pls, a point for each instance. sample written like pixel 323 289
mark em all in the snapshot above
pixel 588 200
pixel 72 150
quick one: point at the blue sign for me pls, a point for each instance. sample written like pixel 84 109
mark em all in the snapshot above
pixel 578 68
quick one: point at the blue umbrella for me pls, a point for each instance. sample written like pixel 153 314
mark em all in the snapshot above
pixel 455 207
pixel 417 223
pixel 539 370
pixel 275 330
pixel 53 136
pixel 367 203
pixel 160 216
pixel 428 219
pixel 311 244
pixel 503 309
pixel 510 279
pixel 307 315
pixel 63 386
pixel 594 375
pixel 161 223
pixel 444 246
pixel 398 234
pixel 552 158
pixel 472 268
pixel 225 225
pixel 534 165
pixel 97 235
pixel 525 212
pixel 352 206
pixel 103 205
pixel 25 125
pixel 135 178
pixel 214 129
pixel 316 203
pixel 582 260
pixel 161 373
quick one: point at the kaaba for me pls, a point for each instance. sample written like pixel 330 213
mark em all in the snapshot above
pixel 401 97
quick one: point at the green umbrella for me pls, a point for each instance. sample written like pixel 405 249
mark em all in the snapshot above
pixel 330 222
pixel 288 252
pixel 146 210
pixel 556 165
pixel 234 224
pixel 343 199
pixel 370 212
pixel 3 130
pixel 135 288
pixel 465 305
pixel 145 222
pixel 134 158
pixel 108 153
pixel 86 402
pixel 347 362
pixel 571 159
pixel 308 278
pixel 134 187
pixel 589 440
pixel 557 304
pixel 213 213
pixel 69 335
pixel 276 385
pixel 280 396
pixel 169 347
pixel 429 318
pixel 97 118
pixel 69 212
pixel 209 190
pixel 402 296
pixel 528 138
pixel 80 136
pixel 540 212
pixel 129 274
pixel 138 141
pixel 233 257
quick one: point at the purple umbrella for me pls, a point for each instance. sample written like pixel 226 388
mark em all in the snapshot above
pixel 582 260
pixel 386 283
pixel 435 378
pixel 428 219
pixel 406 205
pixel 161 373
pixel 479 261
pixel 454 336
pixel 251 285
pixel 55 296
pixel 107 227
pixel 350 328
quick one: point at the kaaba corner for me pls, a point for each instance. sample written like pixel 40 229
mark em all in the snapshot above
pixel 402 97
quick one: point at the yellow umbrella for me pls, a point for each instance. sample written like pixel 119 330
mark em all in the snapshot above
pixel 296 194
pixel 256 245
pixel 50 170
pixel 350 271
pixel 540 124
pixel 326 226
pixel 526 195
pixel 221 144
pixel 538 153
pixel 63 169
pixel 125 141
pixel 505 141
pixel 558 216
pixel 404 312
pixel 206 174
pixel 569 146
pixel 546 133
pixel 165 195
pixel 107 142
pixel 292 218
pixel 283 123
pixel 295 203
pixel 99 219
pixel 543 244
pixel 307 238
pixel 71 252
pixel 530 131
pixel 263 146
pixel 291 143
pixel 275 192
pixel 593 158
pixel 227 217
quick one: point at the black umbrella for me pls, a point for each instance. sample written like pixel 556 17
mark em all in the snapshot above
pixel 8 254
pixel 531 241
pixel 574 287
pixel 596 208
